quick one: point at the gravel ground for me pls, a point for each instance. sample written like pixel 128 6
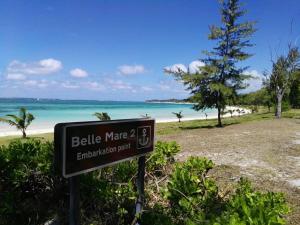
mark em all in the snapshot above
pixel 267 152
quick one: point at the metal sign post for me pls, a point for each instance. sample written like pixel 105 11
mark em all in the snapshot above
pixel 74 214
pixel 140 186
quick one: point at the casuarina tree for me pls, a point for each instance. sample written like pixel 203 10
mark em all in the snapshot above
pixel 216 83
pixel 21 122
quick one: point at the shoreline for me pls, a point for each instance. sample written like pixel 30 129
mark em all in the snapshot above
pixel 50 127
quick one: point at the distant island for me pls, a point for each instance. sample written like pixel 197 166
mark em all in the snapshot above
pixel 172 100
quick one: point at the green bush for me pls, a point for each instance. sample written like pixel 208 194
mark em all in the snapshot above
pixel 158 215
pixel 31 192
pixel 29 189
pixel 106 201
pixel 190 192
pixel 163 155
pixel 253 207
pixel 285 106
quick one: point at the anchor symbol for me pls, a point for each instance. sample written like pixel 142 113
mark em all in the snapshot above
pixel 144 140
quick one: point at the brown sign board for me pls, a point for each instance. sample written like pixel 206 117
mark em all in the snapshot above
pixel 82 147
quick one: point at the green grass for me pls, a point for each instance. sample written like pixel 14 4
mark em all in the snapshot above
pixel 174 127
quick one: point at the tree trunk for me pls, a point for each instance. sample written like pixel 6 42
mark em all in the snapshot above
pixel 219 117
pixel 24 134
pixel 278 107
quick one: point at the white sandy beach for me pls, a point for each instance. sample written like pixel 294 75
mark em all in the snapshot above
pixel 42 128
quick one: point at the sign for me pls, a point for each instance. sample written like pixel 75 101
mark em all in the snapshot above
pixel 82 147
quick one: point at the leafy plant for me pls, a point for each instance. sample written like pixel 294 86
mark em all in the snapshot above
pixel 21 122
pixel 31 192
pixel 103 116
pixel 26 178
pixel 254 109
pixel 178 115
pixel 189 190
pixel 253 207
pixel 163 154
pixel 231 111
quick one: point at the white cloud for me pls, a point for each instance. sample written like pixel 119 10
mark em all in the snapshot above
pixel 254 83
pixel 171 87
pixel 79 73
pixel 164 86
pixel 30 82
pixel 69 85
pixel 91 85
pixel 42 67
pixel 36 83
pixel 176 68
pixel 120 85
pixel 145 88
pixel 129 70
pixel 15 76
pixel 194 66
pixel 95 86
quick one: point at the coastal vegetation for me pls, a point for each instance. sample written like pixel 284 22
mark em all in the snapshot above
pixel 32 192
pixel 283 75
pixel 146 116
pixel 178 115
pixel 281 90
pixel 103 116
pixel 174 127
pixel 21 122
pixel 217 82
pixel 181 186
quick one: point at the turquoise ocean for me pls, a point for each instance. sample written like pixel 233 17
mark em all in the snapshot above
pixel 48 112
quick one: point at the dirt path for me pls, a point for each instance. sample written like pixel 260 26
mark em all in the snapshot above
pixel 267 152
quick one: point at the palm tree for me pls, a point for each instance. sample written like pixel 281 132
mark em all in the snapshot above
pixel 146 116
pixel 103 116
pixel 254 109
pixel 178 115
pixel 223 113
pixel 239 111
pixel 21 122
pixel 231 111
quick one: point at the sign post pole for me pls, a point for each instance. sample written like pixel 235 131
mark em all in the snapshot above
pixel 140 186
pixel 74 213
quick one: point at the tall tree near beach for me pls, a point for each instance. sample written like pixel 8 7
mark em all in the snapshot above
pixel 216 83
pixel 103 116
pixel 284 71
pixel 21 122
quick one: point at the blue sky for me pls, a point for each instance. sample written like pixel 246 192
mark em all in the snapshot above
pixel 117 49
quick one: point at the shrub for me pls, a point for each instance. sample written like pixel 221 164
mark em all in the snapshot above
pixel 163 155
pixel 285 106
pixel 189 191
pixel 253 207
pixel 26 178
pixel 32 193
